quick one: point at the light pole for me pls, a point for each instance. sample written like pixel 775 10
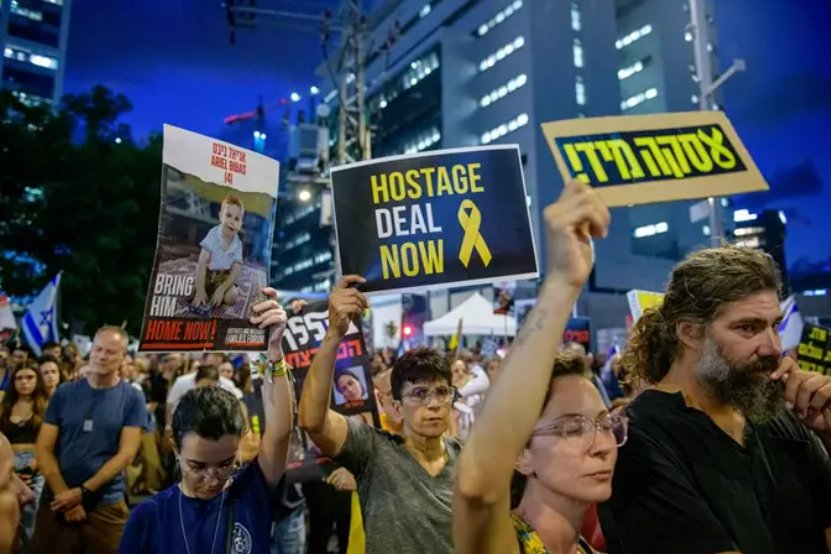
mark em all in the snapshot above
pixel 700 29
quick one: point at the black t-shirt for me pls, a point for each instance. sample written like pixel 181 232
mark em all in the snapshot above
pixel 682 485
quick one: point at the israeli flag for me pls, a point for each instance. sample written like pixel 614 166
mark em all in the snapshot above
pixel 40 324
pixel 606 372
pixel 790 330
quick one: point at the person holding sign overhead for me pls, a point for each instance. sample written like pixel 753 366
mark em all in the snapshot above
pixel 405 483
pixel 550 425
pixel 215 509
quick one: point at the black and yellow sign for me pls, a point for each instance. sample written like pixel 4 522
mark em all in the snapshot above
pixel 641 159
pixel 814 352
pixel 434 219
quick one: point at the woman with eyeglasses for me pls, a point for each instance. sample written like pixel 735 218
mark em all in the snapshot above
pixel 216 509
pixel 552 427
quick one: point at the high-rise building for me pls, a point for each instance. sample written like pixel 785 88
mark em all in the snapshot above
pixel 764 231
pixel 33 34
pixel 656 73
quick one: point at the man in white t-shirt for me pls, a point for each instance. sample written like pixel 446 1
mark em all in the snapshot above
pixel 187 382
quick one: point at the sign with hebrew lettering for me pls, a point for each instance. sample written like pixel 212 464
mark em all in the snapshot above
pixel 353 394
pixel 814 353
pixel 642 159
pixel 213 249
pixel 641 300
pixel 434 219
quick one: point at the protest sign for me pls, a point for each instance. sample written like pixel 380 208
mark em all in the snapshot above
pixel 7 320
pixel 213 249
pixel 353 394
pixel 641 159
pixel 641 300
pixel 579 330
pixel 434 219
pixel 814 353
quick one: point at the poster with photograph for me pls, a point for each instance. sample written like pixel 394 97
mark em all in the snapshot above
pixel 213 248
pixel 352 388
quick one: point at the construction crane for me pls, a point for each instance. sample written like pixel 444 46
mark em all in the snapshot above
pixel 346 67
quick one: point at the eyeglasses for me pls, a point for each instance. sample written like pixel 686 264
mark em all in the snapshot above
pixel 578 433
pixel 220 472
pixel 422 395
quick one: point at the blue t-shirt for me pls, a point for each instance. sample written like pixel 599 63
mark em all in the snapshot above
pixel 82 451
pixel 157 526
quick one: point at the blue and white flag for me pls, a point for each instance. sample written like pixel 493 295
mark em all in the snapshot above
pixel 790 330
pixel 40 324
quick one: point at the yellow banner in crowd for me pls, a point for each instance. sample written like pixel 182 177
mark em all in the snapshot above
pixel 641 300
pixel 642 159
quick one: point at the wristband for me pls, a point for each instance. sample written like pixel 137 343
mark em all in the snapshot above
pixel 272 369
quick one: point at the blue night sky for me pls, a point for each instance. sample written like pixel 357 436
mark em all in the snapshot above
pixel 172 59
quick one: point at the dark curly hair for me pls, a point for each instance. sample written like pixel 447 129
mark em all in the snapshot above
pixel 699 288
pixel 210 412
pixel 418 365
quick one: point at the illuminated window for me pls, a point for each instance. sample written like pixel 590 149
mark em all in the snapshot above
pixel 501 130
pixel 501 92
pixel 637 99
pixel 577 49
pixel 499 17
pixel 424 141
pixel 628 71
pixel 651 230
pixel 575 17
pixel 23 55
pixel 580 91
pixel 637 34
pixel 502 53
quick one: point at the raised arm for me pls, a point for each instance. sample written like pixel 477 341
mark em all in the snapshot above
pixel 481 507
pixel 277 398
pixel 327 428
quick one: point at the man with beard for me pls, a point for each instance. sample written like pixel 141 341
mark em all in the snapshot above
pixel 727 450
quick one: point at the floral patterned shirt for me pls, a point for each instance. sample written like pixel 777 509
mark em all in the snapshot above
pixel 531 543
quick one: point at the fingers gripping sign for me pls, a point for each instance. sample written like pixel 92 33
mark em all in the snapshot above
pixel 270 314
pixel 570 224
pixel 346 304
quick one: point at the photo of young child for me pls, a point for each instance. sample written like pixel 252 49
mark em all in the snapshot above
pixel 220 261
pixel 217 238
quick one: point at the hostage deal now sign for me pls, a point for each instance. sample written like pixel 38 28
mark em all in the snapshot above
pixel 434 219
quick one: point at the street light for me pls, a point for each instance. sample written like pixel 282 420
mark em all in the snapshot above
pixel 314 91
pixel 304 195
pixel 295 97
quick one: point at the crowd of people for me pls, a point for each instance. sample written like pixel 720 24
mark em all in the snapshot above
pixel 702 437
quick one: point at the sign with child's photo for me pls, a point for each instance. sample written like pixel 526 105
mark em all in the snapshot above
pixel 353 393
pixel 213 248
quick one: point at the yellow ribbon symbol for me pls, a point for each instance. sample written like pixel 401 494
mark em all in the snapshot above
pixel 470 223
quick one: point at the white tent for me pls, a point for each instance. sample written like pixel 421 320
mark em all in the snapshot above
pixel 477 318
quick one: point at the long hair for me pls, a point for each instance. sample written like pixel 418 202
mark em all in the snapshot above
pixel 699 288
pixel 39 397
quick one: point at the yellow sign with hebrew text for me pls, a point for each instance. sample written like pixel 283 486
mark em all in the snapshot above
pixel 642 159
